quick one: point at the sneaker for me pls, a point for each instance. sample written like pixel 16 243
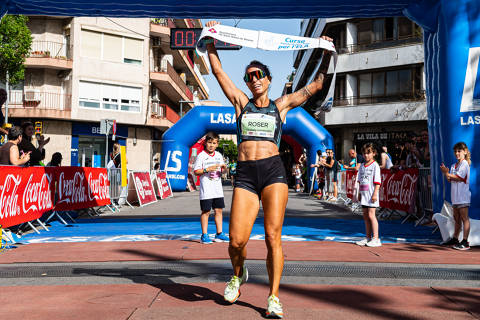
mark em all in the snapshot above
pixel 221 237
pixel 464 245
pixel 232 291
pixel 332 199
pixel 450 242
pixel 274 309
pixel 374 242
pixel 205 239
pixel 362 242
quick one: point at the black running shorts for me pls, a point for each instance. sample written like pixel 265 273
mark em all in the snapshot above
pixel 255 175
pixel 208 204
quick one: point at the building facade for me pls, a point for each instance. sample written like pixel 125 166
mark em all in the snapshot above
pixel 82 70
pixel 380 86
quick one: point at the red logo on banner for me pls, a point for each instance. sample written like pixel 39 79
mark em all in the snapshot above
pixel 25 194
pixel 144 187
pixel 350 182
pixel 163 186
pixel 398 189
pixel 77 192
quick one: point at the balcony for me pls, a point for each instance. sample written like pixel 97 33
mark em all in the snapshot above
pixel 380 44
pixel 33 103
pixel 400 97
pixel 160 27
pixel 48 54
pixel 170 83
pixel 161 115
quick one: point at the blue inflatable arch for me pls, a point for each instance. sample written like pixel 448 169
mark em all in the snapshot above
pixel 452 50
pixel 198 121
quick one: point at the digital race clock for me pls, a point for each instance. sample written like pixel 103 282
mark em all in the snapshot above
pixel 186 38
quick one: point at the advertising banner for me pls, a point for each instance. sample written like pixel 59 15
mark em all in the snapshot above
pixel 81 187
pixel 144 188
pixel 351 182
pixel 163 185
pixel 398 189
pixel 25 193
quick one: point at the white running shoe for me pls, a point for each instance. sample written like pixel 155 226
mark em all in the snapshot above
pixel 362 242
pixel 375 242
pixel 232 291
pixel 274 309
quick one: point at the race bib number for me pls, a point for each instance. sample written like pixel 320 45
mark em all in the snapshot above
pixel 258 125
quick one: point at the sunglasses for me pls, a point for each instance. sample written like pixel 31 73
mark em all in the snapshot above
pixel 259 74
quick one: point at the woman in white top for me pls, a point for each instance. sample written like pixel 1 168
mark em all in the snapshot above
pixel 459 177
pixel 386 159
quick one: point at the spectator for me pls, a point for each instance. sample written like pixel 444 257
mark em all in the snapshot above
pixel 459 177
pixel 208 166
pixel 232 170
pixel 36 154
pixel 9 153
pixel 402 157
pixel 320 165
pixel 386 159
pixel 56 160
pixel 370 179
pixel 331 175
pixel 297 172
pixel 424 149
pixel 116 156
pixel 413 155
pixel 355 160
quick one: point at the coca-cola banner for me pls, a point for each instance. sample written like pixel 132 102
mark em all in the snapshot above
pixel 144 187
pixel 351 181
pixel 81 187
pixel 398 189
pixel 25 193
pixel 163 185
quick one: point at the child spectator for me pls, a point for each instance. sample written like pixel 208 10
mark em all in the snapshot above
pixel 370 180
pixel 208 166
pixel 56 160
pixel 459 177
pixel 297 172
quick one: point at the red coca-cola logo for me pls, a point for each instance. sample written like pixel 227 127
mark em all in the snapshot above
pixel 37 196
pixel 98 189
pixel 9 196
pixel 401 191
pixel 72 190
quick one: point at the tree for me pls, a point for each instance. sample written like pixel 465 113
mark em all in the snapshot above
pixel 15 44
pixel 228 148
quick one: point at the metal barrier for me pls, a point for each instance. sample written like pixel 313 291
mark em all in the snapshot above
pixel 424 194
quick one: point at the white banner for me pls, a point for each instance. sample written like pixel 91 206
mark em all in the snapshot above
pixel 273 42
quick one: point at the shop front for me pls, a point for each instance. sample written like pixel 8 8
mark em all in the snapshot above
pixel 89 146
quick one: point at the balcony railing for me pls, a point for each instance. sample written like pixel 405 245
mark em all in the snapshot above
pixel 400 97
pixel 178 81
pixel 380 44
pixel 49 49
pixel 163 111
pixel 36 99
pixel 164 22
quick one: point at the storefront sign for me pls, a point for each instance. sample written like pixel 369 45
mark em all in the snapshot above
pixel 144 188
pixel 389 136
pixel 163 185
pixel 81 187
pixel 25 193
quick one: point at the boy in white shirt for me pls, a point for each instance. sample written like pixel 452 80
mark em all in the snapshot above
pixel 208 166
pixel 370 180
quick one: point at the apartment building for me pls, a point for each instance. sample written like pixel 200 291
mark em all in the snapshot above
pixel 379 90
pixel 82 70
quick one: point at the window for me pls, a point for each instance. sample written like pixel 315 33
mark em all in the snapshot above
pixel 110 47
pixel 109 97
pixel 91 44
pixel 364 32
pixel 365 83
pixel 405 28
pixel 378 84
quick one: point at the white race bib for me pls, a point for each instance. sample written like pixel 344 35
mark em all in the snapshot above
pixel 258 125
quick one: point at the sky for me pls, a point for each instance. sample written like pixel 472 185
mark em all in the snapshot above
pixel 234 62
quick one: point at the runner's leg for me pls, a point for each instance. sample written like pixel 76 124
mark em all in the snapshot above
pixel 274 201
pixel 245 205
